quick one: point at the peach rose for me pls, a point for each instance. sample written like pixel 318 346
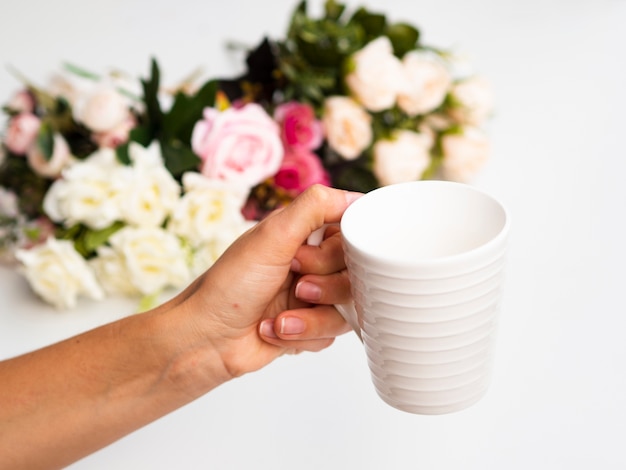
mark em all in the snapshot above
pixel 377 77
pixel 348 127
pixel 464 154
pixel 428 83
pixel 402 158
pixel 473 100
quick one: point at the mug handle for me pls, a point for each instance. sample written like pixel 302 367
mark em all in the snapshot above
pixel 347 311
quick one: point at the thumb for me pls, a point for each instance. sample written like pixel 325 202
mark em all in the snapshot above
pixel 286 230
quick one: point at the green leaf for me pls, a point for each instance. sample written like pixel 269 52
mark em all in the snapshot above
pixel 187 110
pixel 333 10
pixel 403 37
pixel 353 178
pixel 140 134
pixel 81 72
pixel 178 158
pixel 122 155
pixel 45 140
pixel 373 24
pixel 148 302
pixel 154 115
pixel 92 239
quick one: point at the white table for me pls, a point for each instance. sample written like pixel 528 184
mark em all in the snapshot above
pixel 558 398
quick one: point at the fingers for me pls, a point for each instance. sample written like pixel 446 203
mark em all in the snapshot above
pixel 284 231
pixel 306 329
pixel 330 289
pixel 323 259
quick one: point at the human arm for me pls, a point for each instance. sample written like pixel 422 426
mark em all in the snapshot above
pixel 67 400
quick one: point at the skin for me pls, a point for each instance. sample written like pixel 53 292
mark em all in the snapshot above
pixel 63 402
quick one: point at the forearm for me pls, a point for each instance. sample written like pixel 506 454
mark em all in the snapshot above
pixel 70 399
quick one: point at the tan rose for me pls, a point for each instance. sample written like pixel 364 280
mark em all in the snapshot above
pixel 428 83
pixel 464 154
pixel 473 101
pixel 377 77
pixel 402 158
pixel 348 127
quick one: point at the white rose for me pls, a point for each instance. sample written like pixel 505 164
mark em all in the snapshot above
pixel 154 258
pixel 347 126
pixel 152 192
pixel 112 272
pixel 473 100
pixel 403 158
pixel 60 158
pixel 101 109
pixel 90 192
pixel 377 77
pixel 58 274
pixel 464 154
pixel 206 254
pixel 428 83
pixel 208 209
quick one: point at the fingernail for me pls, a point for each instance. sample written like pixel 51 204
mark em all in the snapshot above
pixel 295 265
pixel 308 291
pixel 267 328
pixel 291 326
pixel 352 196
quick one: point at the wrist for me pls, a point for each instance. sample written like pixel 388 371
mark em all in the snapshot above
pixel 192 362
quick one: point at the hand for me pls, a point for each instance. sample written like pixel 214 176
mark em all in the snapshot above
pixel 270 294
pixel 267 295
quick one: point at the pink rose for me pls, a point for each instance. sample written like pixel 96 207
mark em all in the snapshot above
pixel 22 132
pixel 300 169
pixel 299 127
pixel 238 145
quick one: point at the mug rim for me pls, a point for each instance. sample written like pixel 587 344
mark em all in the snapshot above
pixel 443 262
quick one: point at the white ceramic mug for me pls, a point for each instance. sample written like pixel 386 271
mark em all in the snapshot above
pixel 425 261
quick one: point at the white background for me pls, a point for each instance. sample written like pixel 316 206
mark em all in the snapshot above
pixel 558 398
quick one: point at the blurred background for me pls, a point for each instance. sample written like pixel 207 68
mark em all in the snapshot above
pixel 558 68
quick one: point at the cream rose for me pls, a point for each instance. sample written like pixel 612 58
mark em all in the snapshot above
pixel 402 158
pixel 58 274
pixel 377 78
pixel 464 154
pixel 90 192
pixel 238 145
pixel 428 83
pixel 207 253
pixel 101 109
pixel 348 127
pixel 153 258
pixel 60 158
pixel 152 192
pixel 207 210
pixel 472 100
pixel 112 272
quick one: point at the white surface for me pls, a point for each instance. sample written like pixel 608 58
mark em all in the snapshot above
pixel 557 400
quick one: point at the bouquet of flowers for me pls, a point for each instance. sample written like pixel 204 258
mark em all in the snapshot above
pixel 111 185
